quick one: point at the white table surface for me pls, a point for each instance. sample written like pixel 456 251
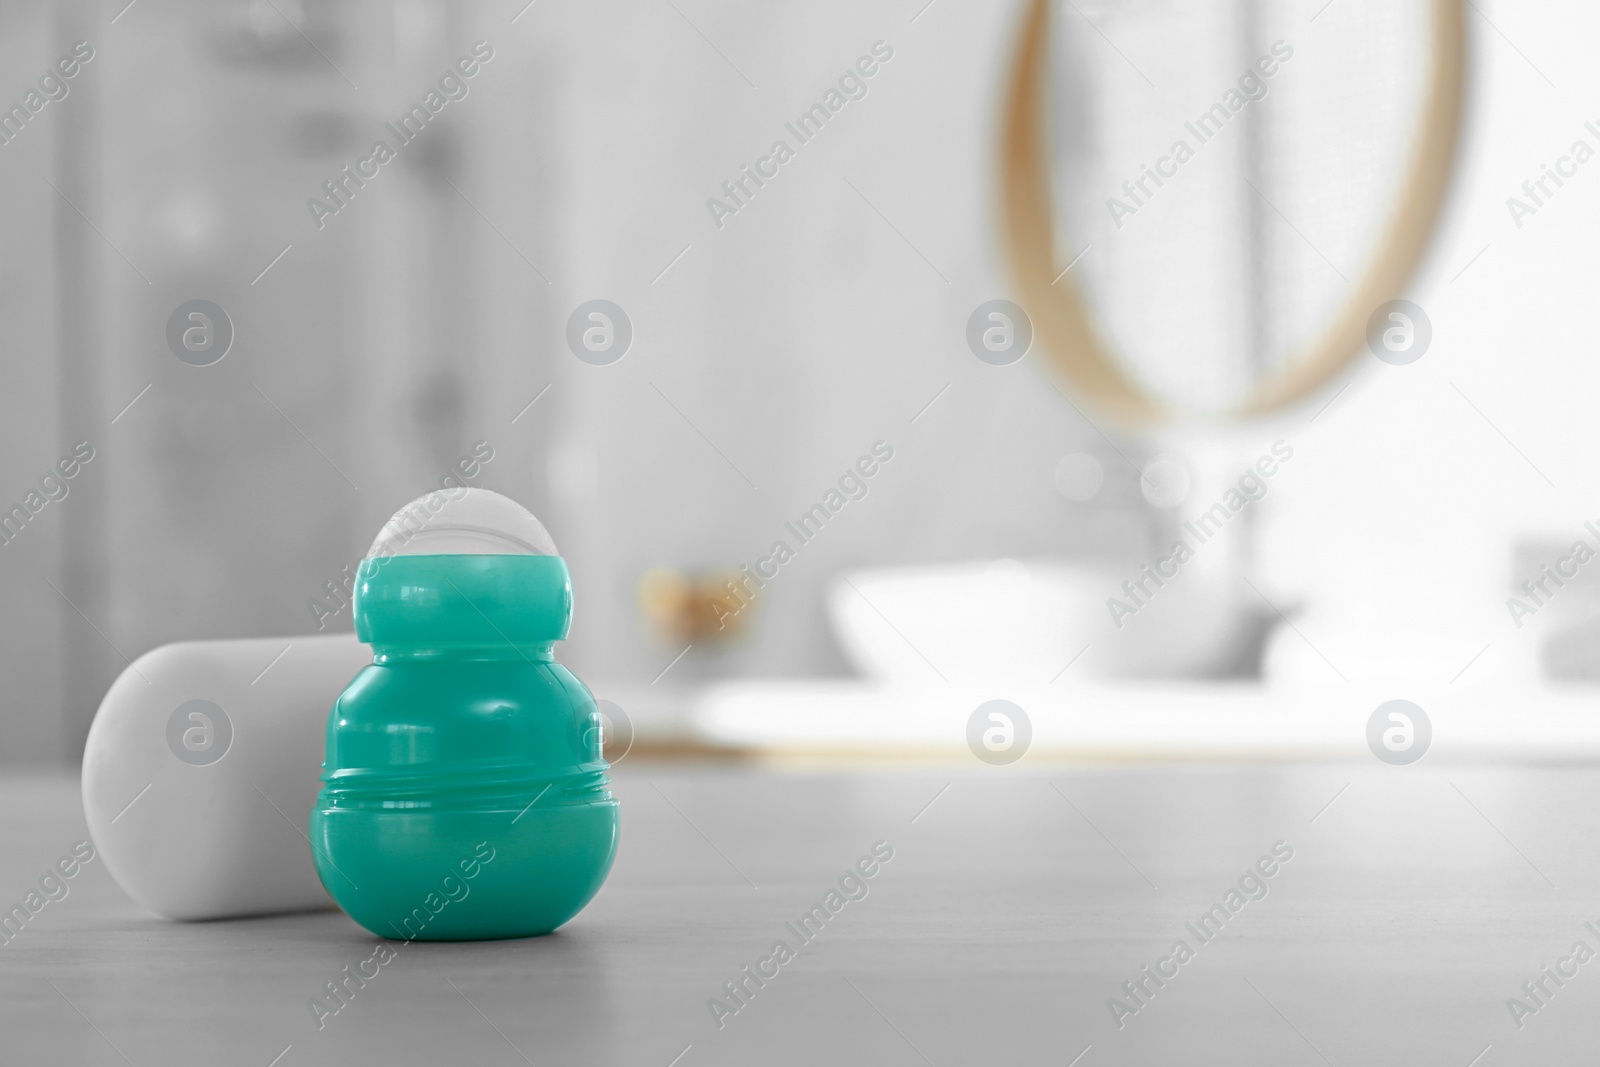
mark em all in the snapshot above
pixel 1016 904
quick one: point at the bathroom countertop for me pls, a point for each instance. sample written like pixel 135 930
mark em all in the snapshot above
pixel 1017 902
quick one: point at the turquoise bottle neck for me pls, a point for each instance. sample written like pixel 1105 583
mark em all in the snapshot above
pixel 503 652
pixel 423 609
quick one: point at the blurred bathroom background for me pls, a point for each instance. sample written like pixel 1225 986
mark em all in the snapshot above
pixel 426 321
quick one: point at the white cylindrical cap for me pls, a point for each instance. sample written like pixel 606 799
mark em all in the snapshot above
pixel 196 760
pixel 463 521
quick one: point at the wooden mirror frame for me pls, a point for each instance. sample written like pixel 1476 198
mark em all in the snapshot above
pixel 1061 320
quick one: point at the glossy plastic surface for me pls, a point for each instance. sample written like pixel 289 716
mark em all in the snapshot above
pixel 464 791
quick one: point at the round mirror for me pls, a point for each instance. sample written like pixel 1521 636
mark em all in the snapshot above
pixel 1206 204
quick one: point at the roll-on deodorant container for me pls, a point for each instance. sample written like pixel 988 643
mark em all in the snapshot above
pixel 464 793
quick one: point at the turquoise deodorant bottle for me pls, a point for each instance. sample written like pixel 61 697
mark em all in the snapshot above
pixel 464 791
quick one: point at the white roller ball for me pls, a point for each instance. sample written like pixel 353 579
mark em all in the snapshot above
pixel 463 521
